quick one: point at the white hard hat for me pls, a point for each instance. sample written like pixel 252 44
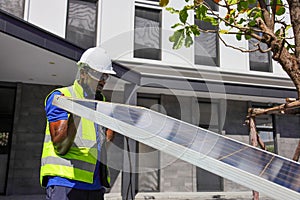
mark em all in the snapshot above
pixel 97 59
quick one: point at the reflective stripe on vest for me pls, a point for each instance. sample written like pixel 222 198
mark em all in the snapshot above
pixel 80 161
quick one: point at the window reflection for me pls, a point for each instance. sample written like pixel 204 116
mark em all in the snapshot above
pixel 81 24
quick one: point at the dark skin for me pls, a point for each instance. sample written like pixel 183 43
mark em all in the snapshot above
pixel 63 132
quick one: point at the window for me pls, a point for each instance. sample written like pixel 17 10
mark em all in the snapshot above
pixel 209 119
pixel 81 23
pixel 209 115
pixel 148 157
pixel 259 61
pixel 264 127
pixel 14 7
pixel 147 33
pixel 212 5
pixel 206 45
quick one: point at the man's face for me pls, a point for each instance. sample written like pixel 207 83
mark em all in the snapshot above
pixel 92 82
pixel 97 84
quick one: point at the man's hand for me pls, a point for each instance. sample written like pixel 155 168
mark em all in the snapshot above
pixel 109 135
pixel 63 133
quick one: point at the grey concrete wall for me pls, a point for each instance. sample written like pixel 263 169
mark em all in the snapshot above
pixel 15 7
pixel 176 175
pixel 287 146
pixel 27 139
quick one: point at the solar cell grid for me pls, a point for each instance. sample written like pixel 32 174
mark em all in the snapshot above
pixel 232 159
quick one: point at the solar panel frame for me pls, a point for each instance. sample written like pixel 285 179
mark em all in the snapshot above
pixel 204 148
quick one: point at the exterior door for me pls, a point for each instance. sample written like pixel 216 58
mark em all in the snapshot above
pixel 7 102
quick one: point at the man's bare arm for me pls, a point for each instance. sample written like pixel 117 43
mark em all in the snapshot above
pixel 63 133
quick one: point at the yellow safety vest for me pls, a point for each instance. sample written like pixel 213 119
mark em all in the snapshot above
pixel 80 161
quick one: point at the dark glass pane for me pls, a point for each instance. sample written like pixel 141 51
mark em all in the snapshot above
pixel 259 61
pixel 208 182
pixel 212 5
pixel 147 33
pixel 81 27
pixel 206 46
pixel 14 7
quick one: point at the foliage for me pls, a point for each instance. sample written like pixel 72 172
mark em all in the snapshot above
pixel 243 18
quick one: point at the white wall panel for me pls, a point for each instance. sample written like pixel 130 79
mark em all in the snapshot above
pixel 277 70
pixel 232 59
pixel 115 27
pixel 49 15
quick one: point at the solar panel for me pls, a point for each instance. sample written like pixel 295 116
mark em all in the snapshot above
pixel 265 172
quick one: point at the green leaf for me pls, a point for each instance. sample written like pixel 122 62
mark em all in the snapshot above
pixel 223 31
pixel 183 15
pixel 280 11
pixel 163 3
pixel 172 10
pixel 232 2
pixel 177 38
pixel 247 37
pixel 176 25
pixel 291 46
pixel 238 36
pixel 212 20
pixel 188 41
pixel 252 23
pixel 288 27
pixel 201 12
pixel 277 32
pixel 242 20
pixel 195 30
pixel 243 5
pixel 251 1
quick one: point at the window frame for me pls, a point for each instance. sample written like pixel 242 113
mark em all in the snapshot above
pixel 148 5
pixel 96 2
pixel 217 58
pixel 269 65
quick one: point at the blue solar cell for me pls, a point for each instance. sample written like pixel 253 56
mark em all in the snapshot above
pixel 268 166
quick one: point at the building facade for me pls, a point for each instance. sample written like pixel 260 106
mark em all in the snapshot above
pixel 208 85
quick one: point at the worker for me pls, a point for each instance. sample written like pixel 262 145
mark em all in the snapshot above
pixel 73 146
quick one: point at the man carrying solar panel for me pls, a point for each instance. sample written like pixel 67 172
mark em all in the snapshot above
pixel 73 146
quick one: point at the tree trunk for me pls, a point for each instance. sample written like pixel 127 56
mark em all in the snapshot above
pixel 297 152
pixel 288 60
pixel 295 20
pixel 253 141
